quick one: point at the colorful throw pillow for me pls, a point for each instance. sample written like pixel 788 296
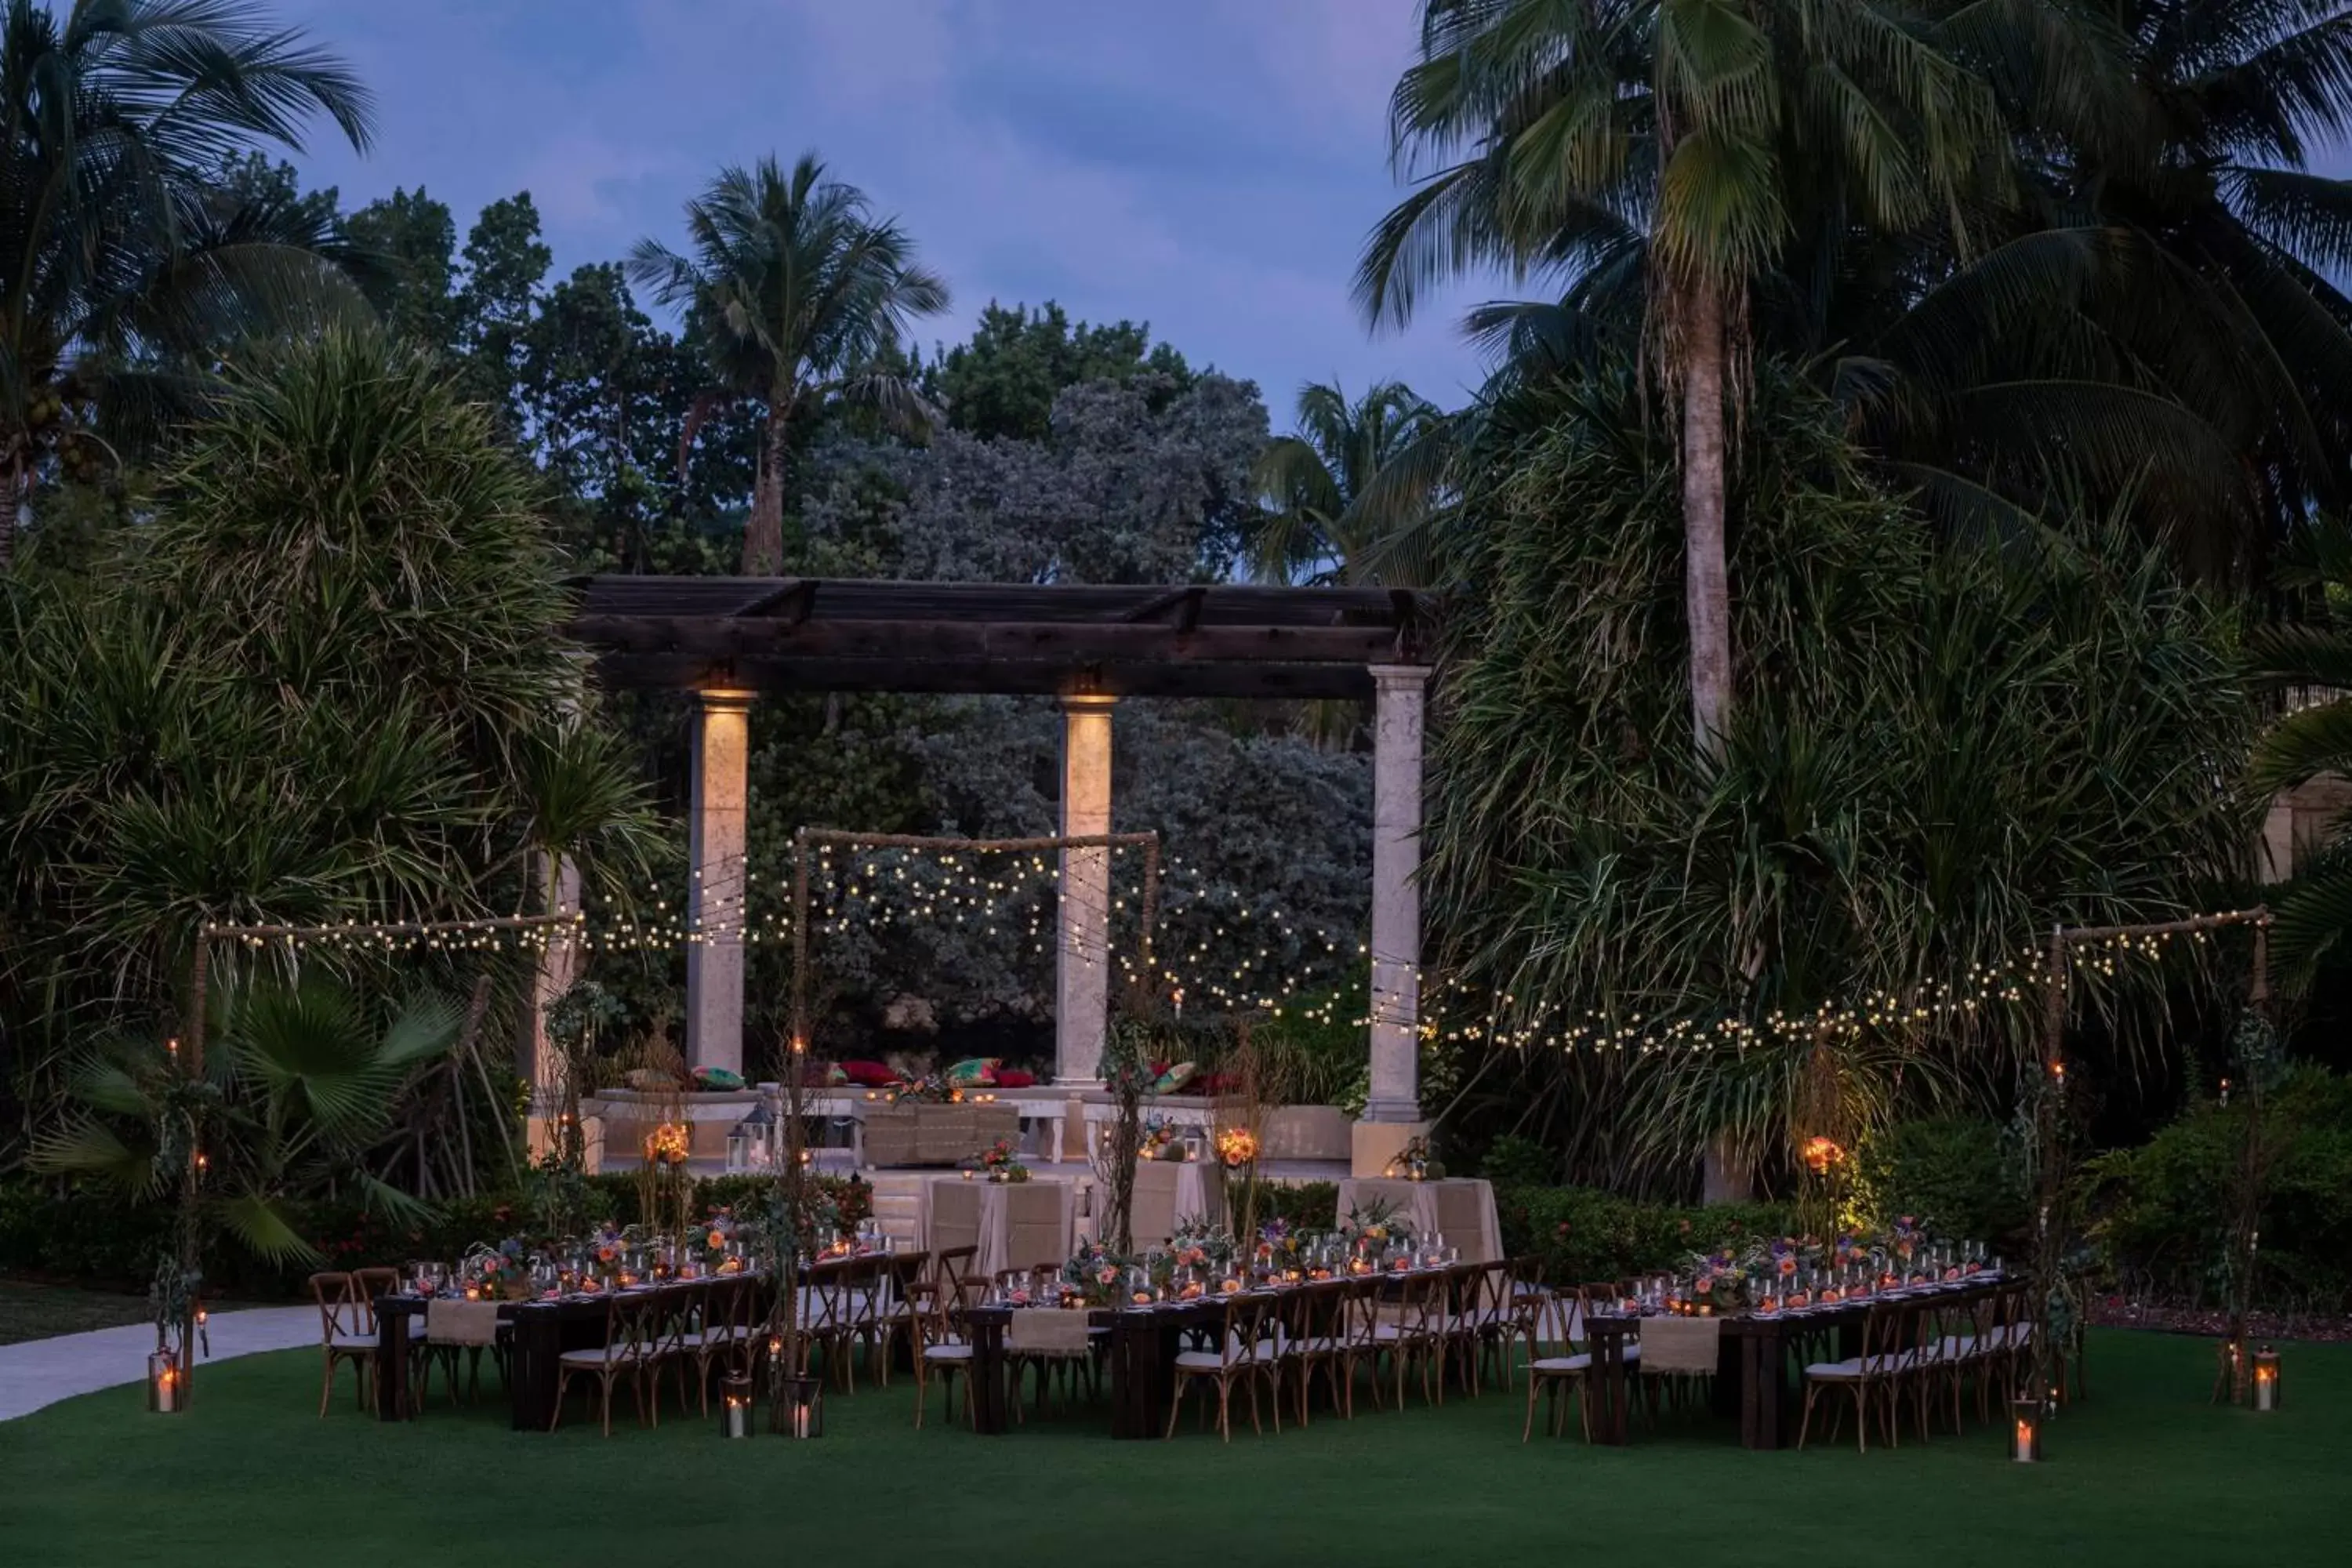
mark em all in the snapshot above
pixel 1014 1077
pixel 833 1077
pixel 974 1072
pixel 1174 1078
pixel 717 1077
pixel 868 1075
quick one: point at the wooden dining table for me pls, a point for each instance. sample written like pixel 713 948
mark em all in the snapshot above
pixel 1757 1375
pixel 1143 1344
pixel 537 1333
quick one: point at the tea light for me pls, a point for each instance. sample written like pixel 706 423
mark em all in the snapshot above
pixel 1229 1286
pixel 1141 1299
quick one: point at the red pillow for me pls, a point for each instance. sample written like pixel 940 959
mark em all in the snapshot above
pixel 1014 1077
pixel 868 1075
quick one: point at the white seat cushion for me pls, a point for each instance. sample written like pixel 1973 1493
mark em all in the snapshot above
pixel 604 1355
pixel 1209 1361
pixel 1559 1365
pixel 353 1341
pixel 1836 1371
pixel 947 1353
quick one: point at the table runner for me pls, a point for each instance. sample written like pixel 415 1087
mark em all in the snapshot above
pixel 1681 1344
pixel 453 1322
pixel 1047 1331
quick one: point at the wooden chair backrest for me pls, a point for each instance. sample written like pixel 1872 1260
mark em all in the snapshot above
pixel 367 1284
pixel 336 1295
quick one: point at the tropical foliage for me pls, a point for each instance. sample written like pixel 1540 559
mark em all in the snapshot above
pixel 130 259
pixel 801 293
pixel 1948 749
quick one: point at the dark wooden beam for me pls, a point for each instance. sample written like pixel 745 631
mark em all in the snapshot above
pixel 1242 680
pixel 982 641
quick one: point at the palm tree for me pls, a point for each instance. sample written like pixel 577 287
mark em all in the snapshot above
pixel 121 253
pixel 303 1089
pixel 2159 319
pixel 798 293
pixel 1325 512
pixel 1672 149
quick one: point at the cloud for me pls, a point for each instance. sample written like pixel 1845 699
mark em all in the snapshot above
pixel 1210 168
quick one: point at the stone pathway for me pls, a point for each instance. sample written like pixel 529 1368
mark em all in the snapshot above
pixel 42 1372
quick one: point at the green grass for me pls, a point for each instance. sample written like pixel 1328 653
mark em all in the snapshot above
pixel 2145 1473
pixel 29 1311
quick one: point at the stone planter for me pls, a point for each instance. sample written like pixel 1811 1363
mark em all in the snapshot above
pixel 932 1134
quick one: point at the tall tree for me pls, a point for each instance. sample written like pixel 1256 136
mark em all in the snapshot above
pixel 1323 512
pixel 1678 147
pixel 414 239
pixel 122 255
pixel 796 290
pixel 1004 380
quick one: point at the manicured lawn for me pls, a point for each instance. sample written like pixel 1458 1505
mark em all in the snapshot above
pixel 29 1311
pixel 2145 1473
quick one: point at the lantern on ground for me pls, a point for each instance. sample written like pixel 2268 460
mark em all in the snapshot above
pixel 735 1407
pixel 803 1407
pixel 2267 1379
pixel 2025 1431
pixel 164 1388
pixel 752 1143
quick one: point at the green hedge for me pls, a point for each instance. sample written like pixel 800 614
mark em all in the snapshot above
pixel 1961 1178
pixel 1584 1235
pixel 2163 1208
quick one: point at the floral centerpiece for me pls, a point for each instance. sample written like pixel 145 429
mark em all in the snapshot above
pixel 1236 1147
pixel 1001 1161
pixel 1197 1244
pixel 1094 1277
pixel 1156 1140
pixel 668 1145
pixel 933 1089
pixel 1373 1229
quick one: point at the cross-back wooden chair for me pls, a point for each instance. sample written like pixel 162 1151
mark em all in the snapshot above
pixel 641 1331
pixel 1245 1353
pixel 347 1333
pixel 1871 1381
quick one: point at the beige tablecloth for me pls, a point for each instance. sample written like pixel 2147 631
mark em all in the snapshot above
pixel 1015 1225
pixel 1460 1208
pixel 1168 1191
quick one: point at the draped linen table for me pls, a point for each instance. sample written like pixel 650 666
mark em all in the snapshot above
pixel 1459 1208
pixel 1015 1225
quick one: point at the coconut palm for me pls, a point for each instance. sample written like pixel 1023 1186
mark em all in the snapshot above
pixel 2159 319
pixel 123 252
pixel 1677 150
pixel 1324 510
pixel 2310 662
pixel 798 293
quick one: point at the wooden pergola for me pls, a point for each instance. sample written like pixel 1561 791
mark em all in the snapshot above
pixel 729 640
pixel 808 634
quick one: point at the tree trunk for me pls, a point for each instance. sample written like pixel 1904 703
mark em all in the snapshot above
pixel 1726 1177
pixel 764 533
pixel 1706 591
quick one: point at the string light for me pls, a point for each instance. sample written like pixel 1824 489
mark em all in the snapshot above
pixel 873 889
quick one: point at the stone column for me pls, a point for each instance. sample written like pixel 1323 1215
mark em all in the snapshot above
pixel 714 896
pixel 1082 955
pixel 558 966
pixel 1395 1095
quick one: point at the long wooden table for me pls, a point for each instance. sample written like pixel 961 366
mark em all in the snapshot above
pixel 1144 1344
pixel 539 1331
pixel 1757 1357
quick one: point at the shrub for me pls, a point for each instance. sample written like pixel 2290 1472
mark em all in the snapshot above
pixel 1513 1160
pixel 2163 1209
pixel 1584 1235
pixel 1307 1205
pixel 1956 1176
